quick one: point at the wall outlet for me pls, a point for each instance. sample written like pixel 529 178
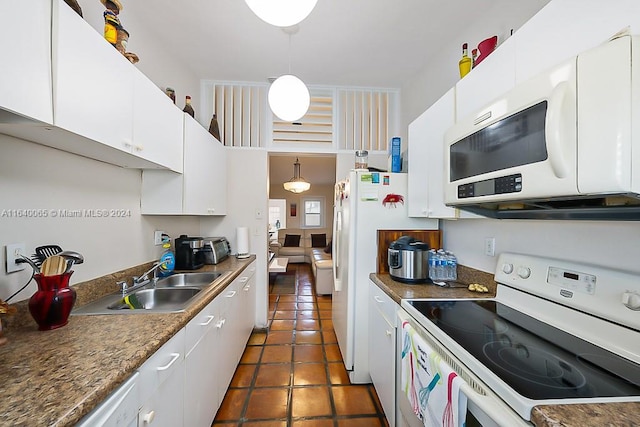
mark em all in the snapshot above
pixel 490 246
pixel 13 252
pixel 157 237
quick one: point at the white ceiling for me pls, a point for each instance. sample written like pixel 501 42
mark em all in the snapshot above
pixel 371 43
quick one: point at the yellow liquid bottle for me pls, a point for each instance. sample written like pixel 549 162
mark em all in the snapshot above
pixel 465 62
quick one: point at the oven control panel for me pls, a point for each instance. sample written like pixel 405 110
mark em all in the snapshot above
pixel 602 292
pixel 573 280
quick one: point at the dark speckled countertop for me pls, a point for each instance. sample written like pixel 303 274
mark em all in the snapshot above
pixel 54 378
pixel 573 415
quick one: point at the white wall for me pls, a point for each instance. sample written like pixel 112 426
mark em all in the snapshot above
pixel 36 177
pixel 430 83
pixel 247 185
pixel 155 62
pixel 608 243
pixel 277 191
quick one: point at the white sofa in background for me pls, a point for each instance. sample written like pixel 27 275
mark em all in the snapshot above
pixel 302 252
pixel 320 260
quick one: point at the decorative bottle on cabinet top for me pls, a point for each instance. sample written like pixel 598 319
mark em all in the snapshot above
pixel 187 107
pixel 465 62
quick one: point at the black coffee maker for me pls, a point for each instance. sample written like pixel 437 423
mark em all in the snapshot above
pixel 188 254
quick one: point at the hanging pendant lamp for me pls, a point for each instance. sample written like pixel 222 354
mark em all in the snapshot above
pixel 288 96
pixel 297 184
pixel 281 13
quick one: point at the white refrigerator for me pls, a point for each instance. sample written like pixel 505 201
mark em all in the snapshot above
pixel 364 202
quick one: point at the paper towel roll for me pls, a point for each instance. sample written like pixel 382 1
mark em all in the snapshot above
pixel 242 237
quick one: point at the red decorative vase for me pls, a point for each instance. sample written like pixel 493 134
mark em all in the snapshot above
pixel 51 305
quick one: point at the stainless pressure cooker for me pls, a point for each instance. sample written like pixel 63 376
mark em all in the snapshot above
pixel 408 260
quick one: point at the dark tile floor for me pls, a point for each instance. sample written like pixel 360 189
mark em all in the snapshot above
pixel 292 374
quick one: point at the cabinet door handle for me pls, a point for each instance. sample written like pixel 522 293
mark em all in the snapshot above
pixel 220 323
pixel 388 332
pixel 232 294
pixel 243 279
pixel 378 299
pixel 148 417
pixel 209 320
pixel 246 288
pixel 174 357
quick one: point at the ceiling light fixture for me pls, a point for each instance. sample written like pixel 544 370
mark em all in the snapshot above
pixel 281 13
pixel 288 96
pixel 297 184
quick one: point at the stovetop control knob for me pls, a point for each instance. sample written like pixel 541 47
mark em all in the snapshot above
pixel 524 272
pixel 507 268
pixel 631 300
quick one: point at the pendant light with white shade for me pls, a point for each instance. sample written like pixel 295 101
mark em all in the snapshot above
pixel 281 13
pixel 288 96
pixel 297 184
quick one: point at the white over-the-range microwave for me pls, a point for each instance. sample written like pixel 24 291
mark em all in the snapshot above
pixel 562 145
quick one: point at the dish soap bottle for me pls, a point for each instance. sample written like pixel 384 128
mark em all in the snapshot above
pixel 465 62
pixel 167 259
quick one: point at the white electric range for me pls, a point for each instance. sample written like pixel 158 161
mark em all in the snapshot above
pixel 557 332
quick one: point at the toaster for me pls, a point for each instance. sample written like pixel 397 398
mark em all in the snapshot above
pixel 215 249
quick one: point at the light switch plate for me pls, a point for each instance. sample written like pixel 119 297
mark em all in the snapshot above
pixel 12 252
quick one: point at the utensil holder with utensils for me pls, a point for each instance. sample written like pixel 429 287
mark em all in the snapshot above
pixel 51 305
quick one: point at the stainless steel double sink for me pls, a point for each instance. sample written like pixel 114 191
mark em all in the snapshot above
pixel 166 295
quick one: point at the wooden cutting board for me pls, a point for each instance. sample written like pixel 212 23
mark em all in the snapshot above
pixel 386 237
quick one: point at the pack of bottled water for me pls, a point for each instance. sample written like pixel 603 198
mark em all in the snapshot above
pixel 443 266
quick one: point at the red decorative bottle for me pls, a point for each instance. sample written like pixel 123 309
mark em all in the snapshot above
pixel 51 305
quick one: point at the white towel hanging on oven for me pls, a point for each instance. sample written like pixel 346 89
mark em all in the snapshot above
pixel 431 386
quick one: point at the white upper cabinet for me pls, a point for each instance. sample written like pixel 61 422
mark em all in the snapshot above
pixel 25 44
pixel 202 187
pixel 93 83
pixel 157 124
pixel 205 178
pixel 488 80
pixel 426 159
pixel 64 86
pixel 563 29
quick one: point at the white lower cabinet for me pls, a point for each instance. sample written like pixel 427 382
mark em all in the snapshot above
pixel 184 382
pixel 382 349
pixel 248 301
pixel 201 400
pixel 228 327
pixel 162 385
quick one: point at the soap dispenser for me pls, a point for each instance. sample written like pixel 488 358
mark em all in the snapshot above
pixel 167 259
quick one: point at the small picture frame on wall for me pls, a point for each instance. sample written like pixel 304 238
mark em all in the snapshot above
pixel 294 209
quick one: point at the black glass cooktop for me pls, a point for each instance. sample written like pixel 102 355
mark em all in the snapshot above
pixel 535 359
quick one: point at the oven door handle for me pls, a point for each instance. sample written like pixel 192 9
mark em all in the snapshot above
pixel 484 406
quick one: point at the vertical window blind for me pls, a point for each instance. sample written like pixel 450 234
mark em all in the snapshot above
pixel 340 119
